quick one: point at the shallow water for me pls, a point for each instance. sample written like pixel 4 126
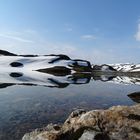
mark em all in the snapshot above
pixel 26 107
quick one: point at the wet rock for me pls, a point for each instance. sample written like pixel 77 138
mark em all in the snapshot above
pixel 116 123
pixel 16 64
pixel 135 97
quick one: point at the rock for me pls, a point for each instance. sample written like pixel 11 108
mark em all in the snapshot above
pixel 107 68
pixel 80 78
pixel 96 68
pixel 103 68
pixel 58 58
pixel 5 85
pixel 79 65
pixel 29 55
pixel 115 123
pixel 77 112
pixel 6 53
pixel 135 97
pixel 16 74
pixel 88 135
pixel 57 84
pixel 57 71
pixel 16 64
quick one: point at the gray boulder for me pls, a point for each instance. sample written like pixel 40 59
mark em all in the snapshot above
pixel 115 123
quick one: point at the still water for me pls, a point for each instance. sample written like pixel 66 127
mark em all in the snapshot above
pixel 26 107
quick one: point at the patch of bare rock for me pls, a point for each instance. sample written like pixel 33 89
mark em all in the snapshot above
pixel 115 123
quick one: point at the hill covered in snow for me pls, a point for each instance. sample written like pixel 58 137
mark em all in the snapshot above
pixel 126 67
pixel 59 62
pixel 13 62
pixel 60 71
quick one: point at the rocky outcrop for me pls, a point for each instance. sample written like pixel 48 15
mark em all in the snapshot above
pixel 103 68
pixel 96 68
pixel 57 71
pixel 79 65
pixel 116 123
pixel 6 53
pixel 58 58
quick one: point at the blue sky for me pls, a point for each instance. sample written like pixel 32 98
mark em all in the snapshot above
pixel 102 31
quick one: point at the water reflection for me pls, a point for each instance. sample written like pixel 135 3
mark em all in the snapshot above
pixel 62 81
pixel 32 100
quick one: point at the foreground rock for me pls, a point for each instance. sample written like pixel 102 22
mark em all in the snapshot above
pixel 116 123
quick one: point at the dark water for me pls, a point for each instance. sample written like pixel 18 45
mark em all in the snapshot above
pixel 24 108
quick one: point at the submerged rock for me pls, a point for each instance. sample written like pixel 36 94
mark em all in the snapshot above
pixel 116 123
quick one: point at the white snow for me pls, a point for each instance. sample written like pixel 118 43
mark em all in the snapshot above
pixel 30 75
pixel 126 80
pixel 34 77
pixel 29 63
pixel 127 67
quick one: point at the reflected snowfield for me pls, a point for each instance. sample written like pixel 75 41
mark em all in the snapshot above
pixel 35 78
pixel 31 101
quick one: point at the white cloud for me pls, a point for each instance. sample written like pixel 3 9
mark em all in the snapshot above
pixel 42 45
pixel 137 35
pixel 35 43
pixel 17 38
pixel 88 37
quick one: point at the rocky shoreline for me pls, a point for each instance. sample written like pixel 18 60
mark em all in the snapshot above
pixel 115 123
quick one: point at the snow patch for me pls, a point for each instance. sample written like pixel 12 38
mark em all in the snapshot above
pixel 127 67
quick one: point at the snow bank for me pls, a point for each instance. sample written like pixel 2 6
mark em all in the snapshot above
pixel 126 67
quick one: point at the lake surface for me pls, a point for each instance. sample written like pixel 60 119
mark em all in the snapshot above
pixel 24 108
